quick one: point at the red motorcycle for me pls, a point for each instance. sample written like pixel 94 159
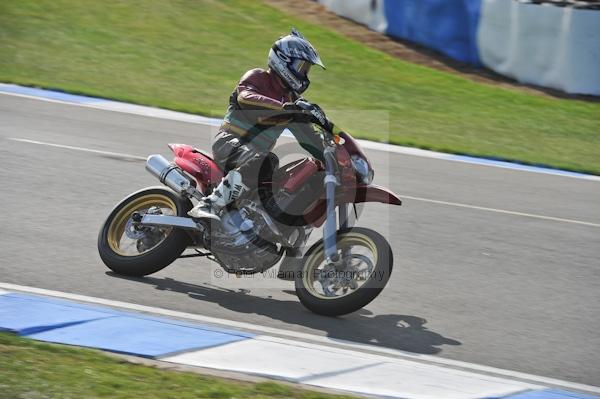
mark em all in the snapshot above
pixel 339 274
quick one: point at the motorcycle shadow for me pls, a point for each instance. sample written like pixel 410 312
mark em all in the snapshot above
pixel 403 332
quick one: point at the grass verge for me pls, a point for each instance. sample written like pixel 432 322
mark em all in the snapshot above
pixel 31 369
pixel 188 54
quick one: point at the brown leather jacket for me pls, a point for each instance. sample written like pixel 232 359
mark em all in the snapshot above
pixel 255 113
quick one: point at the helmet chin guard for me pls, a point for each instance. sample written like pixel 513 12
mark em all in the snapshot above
pixel 291 57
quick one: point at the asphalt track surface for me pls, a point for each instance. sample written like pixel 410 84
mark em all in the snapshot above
pixel 495 286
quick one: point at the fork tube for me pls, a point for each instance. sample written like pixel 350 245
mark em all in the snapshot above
pixel 329 231
pixel 343 215
pixel 344 224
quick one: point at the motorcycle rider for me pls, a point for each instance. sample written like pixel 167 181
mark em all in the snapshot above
pixel 256 117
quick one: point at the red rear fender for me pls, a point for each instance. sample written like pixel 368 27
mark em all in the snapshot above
pixel 198 163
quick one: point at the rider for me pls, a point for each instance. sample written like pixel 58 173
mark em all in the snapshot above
pixel 256 118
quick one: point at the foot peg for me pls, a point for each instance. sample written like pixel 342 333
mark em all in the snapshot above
pixel 201 213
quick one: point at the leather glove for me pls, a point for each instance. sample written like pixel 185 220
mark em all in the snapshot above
pixel 310 109
pixel 300 104
pixel 290 106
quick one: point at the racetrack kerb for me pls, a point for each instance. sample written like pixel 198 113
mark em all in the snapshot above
pixel 80 372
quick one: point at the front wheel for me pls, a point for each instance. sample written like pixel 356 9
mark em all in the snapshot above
pixel 336 289
pixel 132 250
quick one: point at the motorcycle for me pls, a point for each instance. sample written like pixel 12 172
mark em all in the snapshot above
pixel 341 273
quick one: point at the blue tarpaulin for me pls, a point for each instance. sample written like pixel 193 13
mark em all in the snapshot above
pixel 449 26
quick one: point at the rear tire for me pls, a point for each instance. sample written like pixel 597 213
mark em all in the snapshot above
pixel 157 257
pixel 337 306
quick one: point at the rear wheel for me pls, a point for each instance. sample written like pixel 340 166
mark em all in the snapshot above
pixel 138 251
pixel 365 267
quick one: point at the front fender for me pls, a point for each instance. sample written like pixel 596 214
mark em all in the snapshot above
pixel 371 193
pixel 315 215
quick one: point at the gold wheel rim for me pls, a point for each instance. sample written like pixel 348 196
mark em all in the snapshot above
pixel 116 229
pixel 348 240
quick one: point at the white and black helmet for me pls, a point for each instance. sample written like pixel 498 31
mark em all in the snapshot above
pixel 291 58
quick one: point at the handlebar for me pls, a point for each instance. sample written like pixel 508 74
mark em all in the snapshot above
pixel 316 115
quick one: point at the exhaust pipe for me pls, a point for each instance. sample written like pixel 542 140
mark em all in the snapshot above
pixel 171 176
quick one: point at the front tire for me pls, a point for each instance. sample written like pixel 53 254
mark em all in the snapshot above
pixel 328 300
pixel 119 246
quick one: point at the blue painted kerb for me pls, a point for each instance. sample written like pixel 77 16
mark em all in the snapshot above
pixel 72 323
pixel 50 94
pixel 68 322
pixel 548 394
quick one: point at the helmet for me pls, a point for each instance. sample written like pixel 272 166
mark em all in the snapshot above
pixel 291 58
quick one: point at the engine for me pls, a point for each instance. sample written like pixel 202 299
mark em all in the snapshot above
pixel 245 243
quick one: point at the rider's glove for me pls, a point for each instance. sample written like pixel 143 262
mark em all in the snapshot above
pixel 305 105
pixel 301 106
pixel 316 112
pixel 290 106
pixel 310 109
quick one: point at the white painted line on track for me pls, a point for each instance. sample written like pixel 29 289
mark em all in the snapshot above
pixel 70 147
pixel 480 208
pixel 304 336
pixel 125 108
pixel 142 110
pixel 418 152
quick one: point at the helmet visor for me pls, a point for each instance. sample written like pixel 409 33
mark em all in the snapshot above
pixel 301 67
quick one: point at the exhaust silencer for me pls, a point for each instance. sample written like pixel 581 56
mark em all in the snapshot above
pixel 169 174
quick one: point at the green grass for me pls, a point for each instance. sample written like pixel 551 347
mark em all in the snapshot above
pixel 32 370
pixel 188 54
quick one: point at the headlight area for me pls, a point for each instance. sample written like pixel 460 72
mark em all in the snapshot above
pixel 364 173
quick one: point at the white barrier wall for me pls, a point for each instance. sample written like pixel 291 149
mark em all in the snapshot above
pixel 557 47
pixel 366 12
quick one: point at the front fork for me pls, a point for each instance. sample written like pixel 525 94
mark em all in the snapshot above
pixel 330 228
pixel 344 224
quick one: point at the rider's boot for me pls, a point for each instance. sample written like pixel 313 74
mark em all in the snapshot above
pixel 230 189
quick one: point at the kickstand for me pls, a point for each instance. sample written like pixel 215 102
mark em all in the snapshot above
pixel 197 254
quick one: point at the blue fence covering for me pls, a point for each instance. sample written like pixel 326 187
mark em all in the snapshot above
pixel 449 26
